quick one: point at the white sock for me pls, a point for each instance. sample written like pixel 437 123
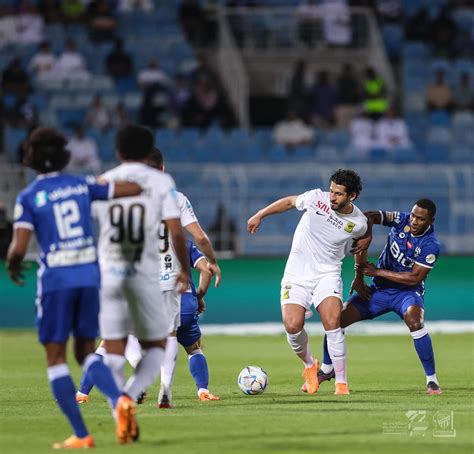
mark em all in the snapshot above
pixel 337 352
pixel 133 351
pixel 116 364
pixel 169 362
pixel 101 351
pixel 327 368
pixel 432 378
pixel 147 371
pixel 299 343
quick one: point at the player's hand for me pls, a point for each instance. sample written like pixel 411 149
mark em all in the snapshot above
pixel 369 269
pixel 359 285
pixel 215 269
pixel 361 245
pixel 201 305
pixel 254 223
pixel 182 281
pixel 16 274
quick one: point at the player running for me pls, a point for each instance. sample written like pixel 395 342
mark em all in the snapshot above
pixel 313 271
pixel 398 283
pixel 131 295
pixel 56 206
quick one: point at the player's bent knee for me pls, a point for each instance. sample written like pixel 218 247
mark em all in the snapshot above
pixel 293 326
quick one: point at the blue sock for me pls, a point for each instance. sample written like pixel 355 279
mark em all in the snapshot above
pixel 198 369
pixel 326 357
pixel 99 374
pixel 86 382
pixel 424 348
pixel 64 392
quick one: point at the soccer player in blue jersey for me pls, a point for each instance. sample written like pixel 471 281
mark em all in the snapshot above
pixel 56 206
pixel 398 283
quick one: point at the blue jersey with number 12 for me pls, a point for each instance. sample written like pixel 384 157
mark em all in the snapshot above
pixel 57 207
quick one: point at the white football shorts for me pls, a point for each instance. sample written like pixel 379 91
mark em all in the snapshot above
pixel 328 284
pixel 173 304
pixel 133 304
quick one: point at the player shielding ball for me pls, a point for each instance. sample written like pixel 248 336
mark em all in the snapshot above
pixel 398 283
pixel 57 207
pixel 312 275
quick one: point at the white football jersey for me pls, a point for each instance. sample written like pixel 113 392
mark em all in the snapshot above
pixel 130 226
pixel 321 237
pixel 169 261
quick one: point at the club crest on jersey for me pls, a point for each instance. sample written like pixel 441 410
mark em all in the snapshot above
pixel 406 229
pixel 349 227
pixel 41 198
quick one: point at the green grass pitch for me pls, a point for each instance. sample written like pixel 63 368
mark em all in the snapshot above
pixel 385 377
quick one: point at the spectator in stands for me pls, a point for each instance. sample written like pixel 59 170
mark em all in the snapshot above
pixel 180 95
pixel 119 63
pixel 204 106
pixel 22 114
pixel 98 116
pixel 30 24
pixel 464 93
pixel 348 96
pixel 153 74
pixel 323 100
pixel 42 64
pixel 223 232
pixel 418 27
pixel 84 157
pixel 465 44
pixel 131 5
pixel 375 94
pixel 297 98
pixel 391 132
pixel 192 18
pixel 337 25
pixel 120 117
pixel 204 71
pixel 362 134
pixel 6 231
pixel 49 10
pixel 309 15
pixel 155 108
pixel 15 80
pixel 443 33
pixel 439 95
pixel 72 11
pixel 389 11
pixel 101 21
pixel 292 131
pixel 71 65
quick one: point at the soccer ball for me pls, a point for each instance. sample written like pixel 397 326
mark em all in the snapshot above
pixel 252 380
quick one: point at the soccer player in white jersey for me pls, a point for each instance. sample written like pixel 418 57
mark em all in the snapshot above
pixel 131 295
pixel 313 271
pixel 169 268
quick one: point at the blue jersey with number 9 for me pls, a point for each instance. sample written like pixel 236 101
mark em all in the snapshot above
pixel 57 207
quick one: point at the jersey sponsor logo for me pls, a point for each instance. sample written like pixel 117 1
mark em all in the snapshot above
pixel 17 211
pixel 401 235
pixel 323 207
pixel 400 257
pixel 396 217
pixel 165 277
pixel 41 198
pixel 349 227
pixel 319 214
pixel 409 245
pixel 430 258
pixel 333 220
pixel 68 191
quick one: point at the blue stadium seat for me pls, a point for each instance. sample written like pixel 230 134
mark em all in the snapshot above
pixel 436 153
pixel 379 155
pixel 393 36
pixel 405 155
pixel 415 49
pixel 439 134
pixel 439 118
pixel 13 137
pixel 68 118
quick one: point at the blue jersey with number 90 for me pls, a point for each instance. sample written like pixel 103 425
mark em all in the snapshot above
pixel 57 207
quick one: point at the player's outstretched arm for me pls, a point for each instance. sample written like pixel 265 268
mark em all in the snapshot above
pixel 179 243
pixel 410 278
pixel 126 189
pixel 16 254
pixel 280 206
pixel 204 244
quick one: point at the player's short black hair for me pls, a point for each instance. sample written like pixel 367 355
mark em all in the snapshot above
pixel 134 142
pixel 46 151
pixel 428 205
pixel 348 178
pixel 155 159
